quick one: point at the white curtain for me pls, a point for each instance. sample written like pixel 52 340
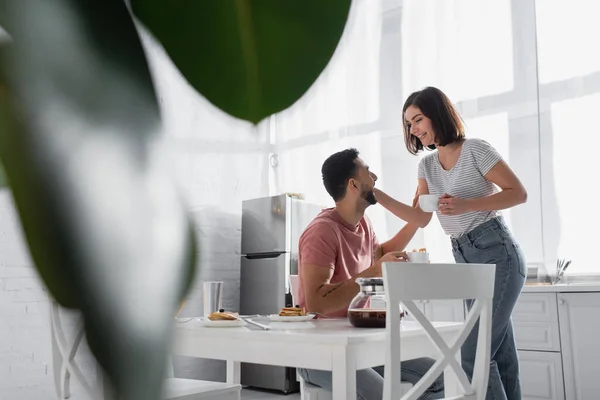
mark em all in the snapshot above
pixel 326 119
pixel 525 78
pixel 520 73
pixel 569 94
pixel 466 48
pixel 347 92
pixel 388 50
pixel 458 45
pixel 355 103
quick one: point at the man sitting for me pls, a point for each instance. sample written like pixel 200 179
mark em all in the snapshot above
pixel 337 247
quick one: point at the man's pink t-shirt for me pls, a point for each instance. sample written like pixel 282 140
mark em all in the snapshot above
pixel 330 242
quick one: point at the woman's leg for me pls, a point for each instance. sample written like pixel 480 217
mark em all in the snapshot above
pixel 507 368
pixel 496 246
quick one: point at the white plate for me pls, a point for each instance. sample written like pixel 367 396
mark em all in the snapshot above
pixel 220 323
pixel 296 318
pixel 291 325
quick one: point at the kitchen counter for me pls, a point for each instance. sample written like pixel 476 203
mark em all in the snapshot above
pixel 592 286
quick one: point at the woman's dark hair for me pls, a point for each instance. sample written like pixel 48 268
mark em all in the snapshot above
pixel 447 123
pixel 337 171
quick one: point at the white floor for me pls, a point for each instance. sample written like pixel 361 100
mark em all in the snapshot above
pixel 252 394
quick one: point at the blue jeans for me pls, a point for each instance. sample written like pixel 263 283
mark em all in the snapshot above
pixel 492 243
pixel 369 382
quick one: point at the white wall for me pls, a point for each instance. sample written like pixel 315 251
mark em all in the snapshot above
pixel 24 329
pixel 218 162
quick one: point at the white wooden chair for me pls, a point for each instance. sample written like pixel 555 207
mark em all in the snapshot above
pixel 65 366
pixel 63 358
pixel 406 282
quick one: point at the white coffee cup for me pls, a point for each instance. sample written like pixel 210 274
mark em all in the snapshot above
pixel 429 202
pixel 417 257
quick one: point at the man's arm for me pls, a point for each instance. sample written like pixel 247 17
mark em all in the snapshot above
pixel 324 297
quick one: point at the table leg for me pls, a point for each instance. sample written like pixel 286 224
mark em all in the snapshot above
pixel 233 372
pixel 451 384
pixel 343 375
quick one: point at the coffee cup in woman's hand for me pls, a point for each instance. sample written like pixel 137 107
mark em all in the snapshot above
pixel 450 205
pixel 429 202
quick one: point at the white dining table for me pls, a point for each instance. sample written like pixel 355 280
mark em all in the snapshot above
pixel 328 344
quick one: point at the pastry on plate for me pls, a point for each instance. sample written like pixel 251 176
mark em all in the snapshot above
pixel 223 315
pixel 291 312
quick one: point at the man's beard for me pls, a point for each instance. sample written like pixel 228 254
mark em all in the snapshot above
pixel 369 196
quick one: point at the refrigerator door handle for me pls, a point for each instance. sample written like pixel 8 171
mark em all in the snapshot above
pixel 257 256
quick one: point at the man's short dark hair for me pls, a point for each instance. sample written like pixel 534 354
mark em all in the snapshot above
pixel 337 171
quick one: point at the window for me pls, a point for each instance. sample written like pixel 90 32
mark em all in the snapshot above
pixel 569 99
pixel 524 78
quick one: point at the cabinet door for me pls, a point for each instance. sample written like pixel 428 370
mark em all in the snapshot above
pixel 579 315
pixel 535 321
pixel 445 310
pixel 541 375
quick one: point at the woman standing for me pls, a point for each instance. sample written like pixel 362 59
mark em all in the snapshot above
pixel 466 174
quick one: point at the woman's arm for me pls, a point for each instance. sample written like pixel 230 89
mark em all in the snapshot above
pixel 412 215
pixel 400 240
pixel 512 193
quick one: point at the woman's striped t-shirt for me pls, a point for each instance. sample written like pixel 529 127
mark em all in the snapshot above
pixel 465 180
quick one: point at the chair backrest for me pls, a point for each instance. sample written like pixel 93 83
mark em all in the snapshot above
pixel 65 366
pixel 63 357
pixel 294 283
pixel 405 282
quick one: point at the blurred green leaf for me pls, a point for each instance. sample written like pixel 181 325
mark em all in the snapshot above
pixel 249 58
pixel 3 182
pixel 79 127
pixel 3 89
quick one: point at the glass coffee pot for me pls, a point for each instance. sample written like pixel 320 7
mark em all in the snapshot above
pixel 367 308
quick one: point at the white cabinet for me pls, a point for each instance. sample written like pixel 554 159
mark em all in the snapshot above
pixel 442 310
pixel 557 334
pixel 536 326
pixel 541 375
pixel 579 315
pixel 535 322
pixel 445 310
